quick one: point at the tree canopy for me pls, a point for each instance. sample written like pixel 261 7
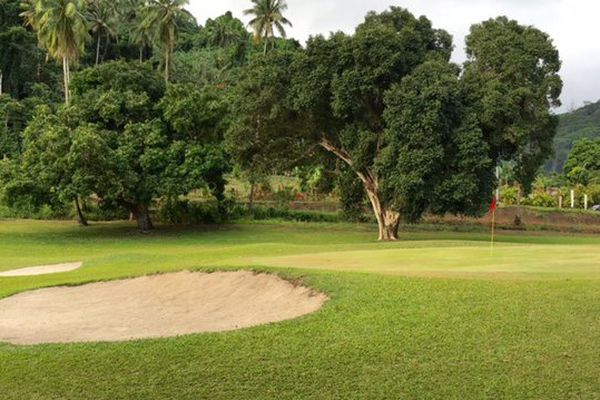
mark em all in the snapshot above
pixel 418 134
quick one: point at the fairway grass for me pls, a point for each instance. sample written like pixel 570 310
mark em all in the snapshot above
pixel 433 316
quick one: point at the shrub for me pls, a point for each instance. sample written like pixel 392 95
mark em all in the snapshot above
pixel 508 196
pixel 266 213
pixel 541 199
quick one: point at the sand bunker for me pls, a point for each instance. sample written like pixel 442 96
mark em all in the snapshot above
pixel 152 306
pixel 41 270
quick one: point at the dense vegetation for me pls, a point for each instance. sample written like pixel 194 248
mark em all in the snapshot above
pixel 155 106
pixel 583 123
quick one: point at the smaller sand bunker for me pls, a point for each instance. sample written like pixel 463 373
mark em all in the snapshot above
pixel 41 270
pixel 153 306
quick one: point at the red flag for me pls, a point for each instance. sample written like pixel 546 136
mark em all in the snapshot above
pixel 494 205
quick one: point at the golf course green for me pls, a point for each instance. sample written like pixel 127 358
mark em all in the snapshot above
pixel 435 315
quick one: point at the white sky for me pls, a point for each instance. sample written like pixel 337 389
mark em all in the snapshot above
pixel 573 24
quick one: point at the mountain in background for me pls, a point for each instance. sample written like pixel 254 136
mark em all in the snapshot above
pixel 581 123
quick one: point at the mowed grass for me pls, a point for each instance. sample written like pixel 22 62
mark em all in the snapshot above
pixel 433 316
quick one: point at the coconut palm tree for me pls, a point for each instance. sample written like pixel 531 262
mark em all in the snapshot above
pixel 140 35
pixel 101 20
pixel 61 29
pixel 268 15
pixel 162 17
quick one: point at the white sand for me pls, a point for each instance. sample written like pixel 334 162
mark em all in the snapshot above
pixel 41 270
pixel 152 306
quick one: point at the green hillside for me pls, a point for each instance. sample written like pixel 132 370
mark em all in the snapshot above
pixel 575 125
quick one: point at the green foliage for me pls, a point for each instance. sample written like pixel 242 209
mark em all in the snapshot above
pixel 419 133
pixel 162 18
pixel 176 211
pixel 512 78
pixel 578 176
pixel 584 159
pixel 114 142
pixel 180 108
pixel 202 67
pixel 509 195
pixel 285 214
pixel 583 123
pixel 541 199
pixel 436 157
pixel 267 16
pixel 352 196
pixel 265 134
pixel 22 62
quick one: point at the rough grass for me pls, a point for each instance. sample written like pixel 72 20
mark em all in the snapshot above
pixel 534 334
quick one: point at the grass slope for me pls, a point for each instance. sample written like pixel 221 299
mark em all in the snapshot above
pixel 383 335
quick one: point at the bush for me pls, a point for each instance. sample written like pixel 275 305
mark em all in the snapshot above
pixel 508 196
pixel 266 213
pixel 284 196
pixel 102 212
pixel 195 213
pixel 541 199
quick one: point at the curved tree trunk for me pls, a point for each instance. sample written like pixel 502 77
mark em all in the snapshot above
pixel 388 221
pixel 80 217
pixel 142 216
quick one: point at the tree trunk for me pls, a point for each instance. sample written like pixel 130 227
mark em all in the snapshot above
pixel 142 215
pixel 1 78
pixel 98 50
pixel 518 221
pixel 251 197
pixel 167 62
pixel 66 77
pixel 387 221
pixel 141 54
pixel 80 217
pixel 266 43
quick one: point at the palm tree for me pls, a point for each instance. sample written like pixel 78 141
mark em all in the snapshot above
pixel 141 36
pixel 268 14
pixel 101 19
pixel 61 28
pixel 162 16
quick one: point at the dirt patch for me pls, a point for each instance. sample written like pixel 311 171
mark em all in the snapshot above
pixel 152 307
pixel 41 270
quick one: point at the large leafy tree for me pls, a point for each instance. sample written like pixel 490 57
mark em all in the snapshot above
pixel 61 29
pixel 163 16
pixel 512 77
pixel 347 87
pixel 268 17
pixel 142 151
pixel 386 102
pixel 583 164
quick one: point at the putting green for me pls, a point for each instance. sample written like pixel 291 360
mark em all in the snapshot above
pixel 461 259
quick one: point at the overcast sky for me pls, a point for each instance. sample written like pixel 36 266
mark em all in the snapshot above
pixel 573 24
